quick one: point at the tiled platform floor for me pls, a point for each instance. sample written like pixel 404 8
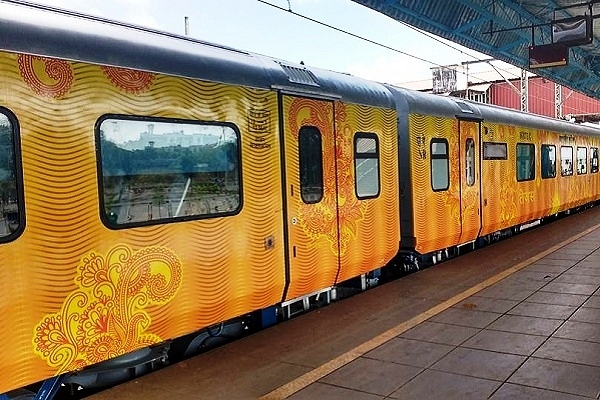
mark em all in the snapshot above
pixel 533 335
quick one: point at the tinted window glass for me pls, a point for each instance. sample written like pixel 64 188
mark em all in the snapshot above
pixel 582 160
pixel 566 160
pixel 440 172
pixel 311 164
pixel 525 162
pixel 470 158
pixel 161 170
pixel 593 159
pixel 366 165
pixel 548 161
pixel 494 151
pixel 11 202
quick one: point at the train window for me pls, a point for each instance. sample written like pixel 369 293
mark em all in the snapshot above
pixel 548 161
pixel 525 162
pixel 566 160
pixel 366 165
pixel 440 171
pixel 593 160
pixel 162 170
pixel 494 151
pixel 470 160
pixel 311 164
pixel 11 198
pixel 582 160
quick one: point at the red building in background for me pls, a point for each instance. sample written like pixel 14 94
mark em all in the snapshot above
pixel 543 96
pixel 541 99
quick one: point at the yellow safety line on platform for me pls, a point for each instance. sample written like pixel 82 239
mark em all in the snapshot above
pixel 314 375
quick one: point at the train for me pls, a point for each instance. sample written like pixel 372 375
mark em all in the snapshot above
pixel 158 192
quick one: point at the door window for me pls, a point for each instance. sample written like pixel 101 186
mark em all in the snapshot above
pixel 470 160
pixel 310 149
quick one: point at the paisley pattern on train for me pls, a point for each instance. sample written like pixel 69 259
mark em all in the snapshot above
pixel 106 316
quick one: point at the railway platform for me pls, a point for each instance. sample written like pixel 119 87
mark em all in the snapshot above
pixel 519 319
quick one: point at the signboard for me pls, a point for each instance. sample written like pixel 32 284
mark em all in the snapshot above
pixel 572 31
pixel 548 55
pixel 444 79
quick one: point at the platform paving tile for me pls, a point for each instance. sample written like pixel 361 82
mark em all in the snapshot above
pixel 554 311
pixel 593 302
pixel 505 342
pixel 330 392
pixel 572 288
pixel 479 303
pixel 479 363
pixel 372 376
pixel 587 314
pixel 573 276
pixel 409 352
pixel 564 299
pixel 575 254
pixel 551 265
pixel 588 245
pixel 525 275
pixel 443 385
pixel 560 376
pixel 527 325
pixel 510 391
pixel 440 333
pixel 585 269
pixel 570 350
pixel 466 317
pixel 579 331
pixel 517 293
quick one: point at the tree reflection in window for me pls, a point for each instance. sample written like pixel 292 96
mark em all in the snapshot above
pixel 159 170
pixel 9 198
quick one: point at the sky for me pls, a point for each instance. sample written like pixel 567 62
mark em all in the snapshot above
pixel 268 28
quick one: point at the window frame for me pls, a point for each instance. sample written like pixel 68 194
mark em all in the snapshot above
pixel 435 156
pixel 366 156
pixel 502 145
pixel 104 217
pixel 585 171
pixel 531 176
pixel 301 154
pixel 470 162
pixel 563 173
pixel 593 156
pixel 18 178
pixel 545 174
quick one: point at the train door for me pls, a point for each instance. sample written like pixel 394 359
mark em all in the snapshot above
pixel 310 195
pixel 470 180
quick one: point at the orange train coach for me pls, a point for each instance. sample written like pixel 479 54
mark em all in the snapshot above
pixel 159 194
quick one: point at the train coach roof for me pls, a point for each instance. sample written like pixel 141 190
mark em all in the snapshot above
pixel 410 101
pixel 497 114
pixel 49 32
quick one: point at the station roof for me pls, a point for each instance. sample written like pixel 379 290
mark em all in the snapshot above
pixel 504 29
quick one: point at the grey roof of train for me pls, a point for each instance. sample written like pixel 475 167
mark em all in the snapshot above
pixel 430 104
pixel 45 31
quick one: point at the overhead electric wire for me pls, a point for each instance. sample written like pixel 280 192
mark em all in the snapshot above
pixel 431 36
pixel 289 10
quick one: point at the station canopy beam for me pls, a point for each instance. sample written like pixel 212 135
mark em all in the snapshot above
pixel 506 29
